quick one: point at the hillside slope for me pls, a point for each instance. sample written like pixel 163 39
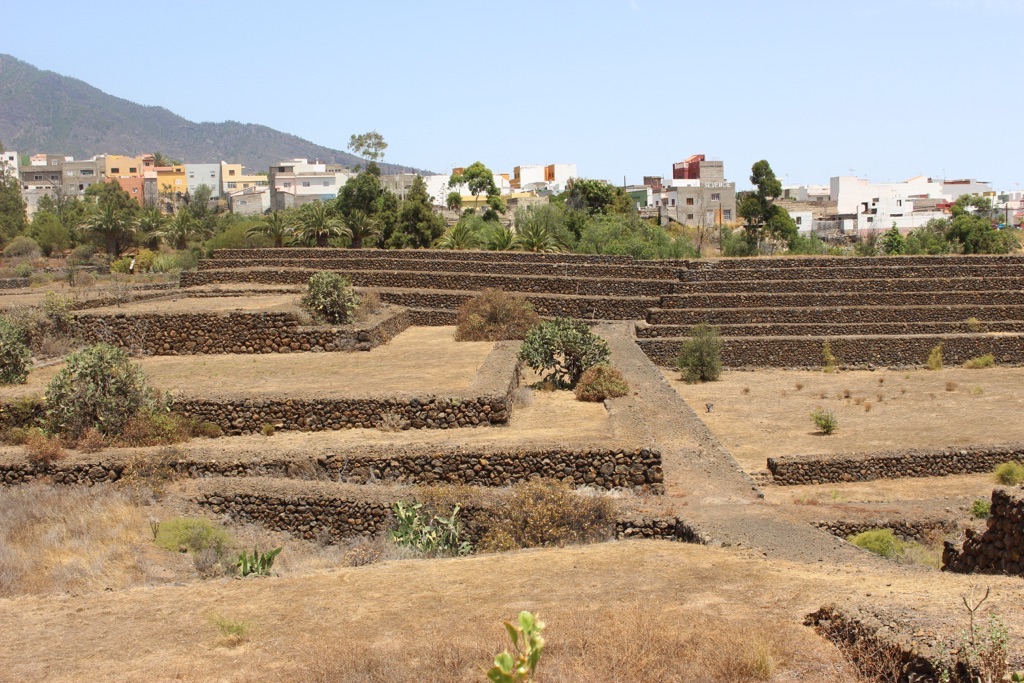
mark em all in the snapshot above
pixel 43 111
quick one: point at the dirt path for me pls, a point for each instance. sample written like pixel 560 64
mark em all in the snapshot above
pixel 704 484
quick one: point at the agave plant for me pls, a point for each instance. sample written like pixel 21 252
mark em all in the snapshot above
pixel 257 564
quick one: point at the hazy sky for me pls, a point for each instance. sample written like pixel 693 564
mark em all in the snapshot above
pixel 883 89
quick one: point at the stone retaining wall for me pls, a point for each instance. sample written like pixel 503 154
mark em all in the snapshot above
pixel 14 283
pixel 835 329
pixel 1000 548
pixel 821 262
pixel 172 334
pixel 833 315
pixel 843 298
pixel 427 254
pixel 604 468
pixel 908 529
pixel 794 470
pixel 444 281
pixel 566 269
pixel 793 352
pixel 550 306
pixel 666 528
pixel 834 274
pixel 895 283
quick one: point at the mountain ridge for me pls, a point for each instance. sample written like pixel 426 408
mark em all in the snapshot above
pixel 44 111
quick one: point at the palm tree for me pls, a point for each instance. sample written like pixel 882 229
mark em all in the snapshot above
pixel 183 227
pixel 361 227
pixel 462 235
pixel 501 238
pixel 151 222
pixel 536 237
pixel 277 226
pixel 112 224
pixel 317 225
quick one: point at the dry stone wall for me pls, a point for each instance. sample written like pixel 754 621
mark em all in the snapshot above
pixel 14 283
pixel 835 329
pixel 1000 548
pixel 881 351
pixel 833 315
pixel 761 299
pixel 907 529
pixel 424 254
pixel 828 276
pixel 807 469
pixel 549 306
pixel 823 262
pixel 658 528
pixel 443 281
pixel 894 284
pixel 161 334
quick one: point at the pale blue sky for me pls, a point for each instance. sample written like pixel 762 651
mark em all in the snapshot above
pixel 883 89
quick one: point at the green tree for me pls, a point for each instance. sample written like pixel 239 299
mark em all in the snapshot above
pixel 563 350
pixel 468 233
pixel 535 231
pixel 369 145
pixel 453 201
pixel 892 241
pixel 49 232
pixel 151 223
pixel 480 180
pixel 930 239
pixel 111 224
pixel 183 228
pixel 316 225
pixel 700 356
pixel 13 219
pixel 363 203
pixel 763 218
pixel 418 226
pixel 277 226
pixel 361 227
pixel 973 227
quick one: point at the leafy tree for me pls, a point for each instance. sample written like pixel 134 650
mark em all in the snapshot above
pixel 930 239
pixel 111 224
pixel 369 145
pixel 181 229
pixel 49 232
pixel 13 220
pixel 764 219
pixel 361 227
pixel 595 197
pixel 892 241
pixel 700 357
pixel 14 354
pixel 364 203
pixel 98 388
pixel 316 225
pixel 563 350
pixel 972 226
pixel 417 226
pixel 330 297
pixel 277 226
pixel 453 201
pixel 480 180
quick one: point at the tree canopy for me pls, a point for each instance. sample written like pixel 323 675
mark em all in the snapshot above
pixel 763 218
pixel 370 146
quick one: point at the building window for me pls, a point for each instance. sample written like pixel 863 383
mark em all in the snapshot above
pixel 305 183
pixel 231 172
pixel 135 190
pixel 132 169
pixel 689 201
pixel 326 183
pixel 117 170
pixel 871 219
pixel 55 177
pixel 231 186
pixel 727 214
pixel 37 177
pixel 54 163
pixel 715 197
pixel 689 216
pixel 287 184
pixel 192 175
pixel 672 202
pixel 799 220
pixel 87 171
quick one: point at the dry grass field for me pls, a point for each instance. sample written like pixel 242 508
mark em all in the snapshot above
pixel 767 413
pixel 255 303
pixel 420 360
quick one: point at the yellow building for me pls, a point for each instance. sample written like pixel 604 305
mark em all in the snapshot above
pixel 171 181
pixel 118 166
pixel 233 178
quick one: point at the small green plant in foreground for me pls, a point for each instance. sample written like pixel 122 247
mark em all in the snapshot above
pixel 234 631
pixel 1010 473
pixel 437 536
pixel 825 420
pixel 257 564
pixel 563 350
pixel 700 357
pixel 519 665
pixel 935 358
pixel 190 534
pixel 880 542
pixel 981 509
pixel 985 361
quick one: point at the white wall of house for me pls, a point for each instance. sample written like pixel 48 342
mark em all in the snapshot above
pixel 251 201
pixel 203 174
pixel 804 221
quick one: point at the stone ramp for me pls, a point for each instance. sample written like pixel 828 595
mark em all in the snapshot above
pixel 704 484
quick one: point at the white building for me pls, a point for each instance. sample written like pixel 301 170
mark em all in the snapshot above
pixel 297 181
pixel 878 206
pixel 203 174
pixel 251 201
pixel 807 193
pixel 537 177
pixel 9 163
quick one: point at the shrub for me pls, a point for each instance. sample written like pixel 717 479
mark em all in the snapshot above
pixel 935 358
pixel 98 387
pixel 42 448
pixel 951 386
pixel 153 426
pixel 700 357
pixel 880 542
pixel 825 421
pixel 15 436
pixel 175 261
pixel 257 564
pixel 370 303
pixel 14 354
pixel 981 508
pixel 439 536
pixel 494 315
pixel 121 265
pixel 1010 473
pixel 330 297
pixel 234 631
pixel 543 512
pixel 601 382
pixel 144 260
pixel 81 255
pixel 563 349
pixel 188 534
pixel 22 247
pixel 978 362
pixel 829 361
pixel 207 430
pixel 520 665
pixel 975 325
pixel 91 441
pixel 267 429
pixel 24 270
pixel 58 309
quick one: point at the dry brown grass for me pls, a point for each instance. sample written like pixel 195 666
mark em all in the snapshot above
pixel 68 540
pixel 42 448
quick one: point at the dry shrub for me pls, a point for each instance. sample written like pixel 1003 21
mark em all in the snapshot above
pixel 494 315
pixel 92 441
pixel 154 428
pixel 363 551
pixel 544 512
pixel 798 386
pixel 41 448
pixel 601 382
pixel 370 304
pixel 522 397
pixel 68 539
pixel 951 386
pixel 207 430
pixel 847 393
pixel 746 390
pixel 858 401
pixel 152 471
pixel 392 422
pixel 867 406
